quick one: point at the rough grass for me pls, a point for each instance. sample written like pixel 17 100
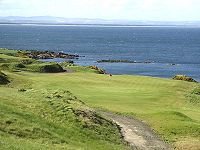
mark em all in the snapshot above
pixel 51 119
pixel 194 96
pixel 8 52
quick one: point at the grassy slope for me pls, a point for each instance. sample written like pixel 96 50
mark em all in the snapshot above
pixel 49 118
pixel 162 103
pixel 32 120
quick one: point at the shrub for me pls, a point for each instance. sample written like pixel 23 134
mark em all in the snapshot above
pixel 184 78
pixel 27 61
pixel 3 78
pixel 67 63
pixel 19 65
pixel 100 71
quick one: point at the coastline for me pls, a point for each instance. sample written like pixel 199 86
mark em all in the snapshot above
pixel 119 67
pixel 118 44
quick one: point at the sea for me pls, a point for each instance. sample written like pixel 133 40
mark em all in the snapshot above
pixel 170 49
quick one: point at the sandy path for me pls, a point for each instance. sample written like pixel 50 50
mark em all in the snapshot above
pixel 139 135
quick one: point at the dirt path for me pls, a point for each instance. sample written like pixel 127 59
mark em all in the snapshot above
pixel 137 134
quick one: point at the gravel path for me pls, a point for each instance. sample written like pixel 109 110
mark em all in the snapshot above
pixel 139 135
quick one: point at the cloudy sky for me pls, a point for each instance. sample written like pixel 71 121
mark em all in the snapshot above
pixel 157 10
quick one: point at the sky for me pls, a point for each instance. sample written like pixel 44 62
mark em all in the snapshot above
pixel 151 10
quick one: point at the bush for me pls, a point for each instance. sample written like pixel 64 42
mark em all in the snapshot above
pixel 19 65
pixel 67 63
pixel 184 78
pixel 3 78
pixel 100 71
pixel 27 61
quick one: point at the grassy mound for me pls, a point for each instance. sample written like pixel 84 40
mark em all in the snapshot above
pixel 46 68
pixel 184 78
pixel 3 78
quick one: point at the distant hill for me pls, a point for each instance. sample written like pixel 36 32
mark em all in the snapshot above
pixel 60 21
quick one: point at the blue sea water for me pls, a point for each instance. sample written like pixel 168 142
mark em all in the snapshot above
pixel 162 45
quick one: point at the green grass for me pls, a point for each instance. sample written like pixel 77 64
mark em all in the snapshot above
pixel 49 118
pixel 170 107
pixel 8 52
pixel 162 103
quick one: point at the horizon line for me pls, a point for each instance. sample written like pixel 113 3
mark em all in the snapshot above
pixel 106 19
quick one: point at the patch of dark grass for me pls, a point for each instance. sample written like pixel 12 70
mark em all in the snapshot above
pixel 4 66
pixel 3 78
pixel 19 65
pixel 46 68
pixel 2 60
pixel 8 52
pixel 194 95
pixel 27 61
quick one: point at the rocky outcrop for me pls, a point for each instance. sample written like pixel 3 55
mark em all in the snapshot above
pixel 122 61
pixel 46 55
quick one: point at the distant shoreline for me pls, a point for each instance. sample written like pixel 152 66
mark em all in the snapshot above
pixel 100 25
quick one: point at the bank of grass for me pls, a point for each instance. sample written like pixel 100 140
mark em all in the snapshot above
pixel 165 104
pixel 162 103
pixel 45 118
